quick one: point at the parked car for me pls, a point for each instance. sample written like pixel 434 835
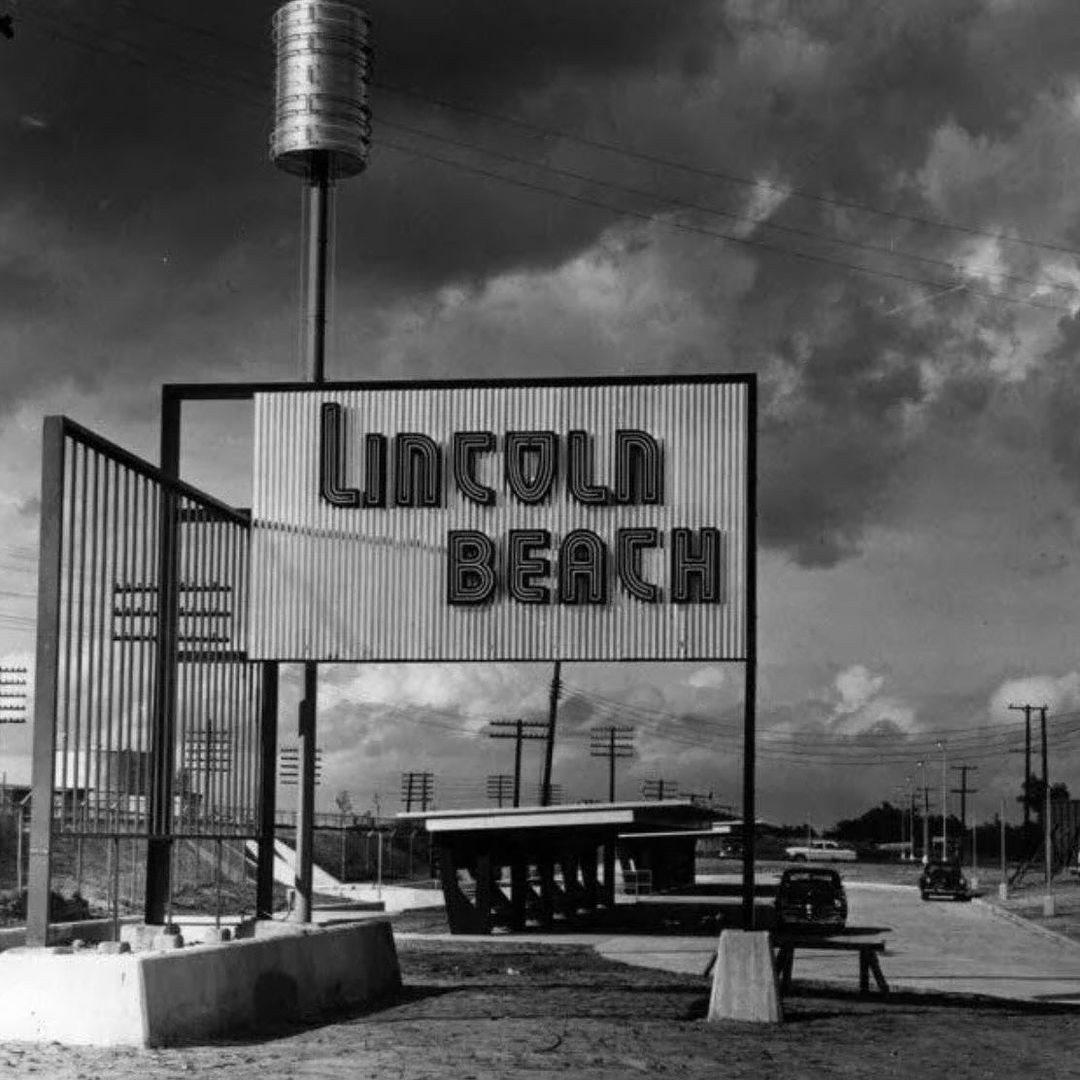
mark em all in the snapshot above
pixel 811 898
pixel 943 880
pixel 820 851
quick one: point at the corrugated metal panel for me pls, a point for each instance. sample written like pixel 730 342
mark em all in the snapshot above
pixel 351 583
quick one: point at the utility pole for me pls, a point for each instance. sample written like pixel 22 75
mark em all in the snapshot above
pixel 549 753
pixel 612 741
pixel 519 731
pixel 963 791
pixel 926 814
pixel 1048 901
pixel 1026 710
pixel 911 834
pixel 944 803
pixel 416 787
pixel 1045 770
pixel 500 787
pixel 659 789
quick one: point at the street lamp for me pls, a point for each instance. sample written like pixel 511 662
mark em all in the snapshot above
pixel 926 814
pixel 944 803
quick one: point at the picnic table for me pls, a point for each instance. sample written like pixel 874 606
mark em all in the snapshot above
pixel 786 944
pixel 868 950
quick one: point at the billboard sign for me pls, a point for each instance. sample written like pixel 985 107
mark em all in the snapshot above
pixel 510 520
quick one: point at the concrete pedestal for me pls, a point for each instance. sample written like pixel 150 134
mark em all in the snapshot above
pixel 1049 906
pixel 744 979
pixel 184 994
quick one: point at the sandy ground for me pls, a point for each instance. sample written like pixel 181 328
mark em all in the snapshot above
pixel 506 1008
pixel 508 1011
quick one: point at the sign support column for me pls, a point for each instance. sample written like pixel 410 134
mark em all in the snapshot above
pixel 319 224
pixel 750 687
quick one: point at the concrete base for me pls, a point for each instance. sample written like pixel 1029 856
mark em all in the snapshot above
pixel 1003 891
pixel 744 979
pixel 183 995
pixel 1049 906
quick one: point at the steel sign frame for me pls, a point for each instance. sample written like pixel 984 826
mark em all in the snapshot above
pixel 175 395
pixel 371 499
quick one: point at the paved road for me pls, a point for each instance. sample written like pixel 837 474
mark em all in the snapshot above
pixel 939 946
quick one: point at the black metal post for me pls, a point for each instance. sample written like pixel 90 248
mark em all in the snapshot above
pixel 46 677
pixel 611 764
pixel 318 267
pixel 520 737
pixel 163 718
pixel 264 870
pixel 750 690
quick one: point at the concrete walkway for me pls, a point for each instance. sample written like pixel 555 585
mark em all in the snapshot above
pixel 948 947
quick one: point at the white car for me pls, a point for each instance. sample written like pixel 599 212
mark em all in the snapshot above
pixel 820 851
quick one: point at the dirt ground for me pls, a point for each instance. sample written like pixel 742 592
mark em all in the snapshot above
pixel 507 1011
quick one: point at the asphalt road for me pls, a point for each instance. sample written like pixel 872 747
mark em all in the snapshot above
pixel 940 946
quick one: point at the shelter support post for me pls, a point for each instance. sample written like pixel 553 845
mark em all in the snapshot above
pixel 45 682
pixel 609 873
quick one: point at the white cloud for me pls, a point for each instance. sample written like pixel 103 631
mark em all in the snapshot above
pixel 856 686
pixel 1060 693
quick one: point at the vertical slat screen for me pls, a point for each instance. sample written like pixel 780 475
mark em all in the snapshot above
pixel 112 518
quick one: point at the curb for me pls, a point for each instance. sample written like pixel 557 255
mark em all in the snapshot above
pixel 1019 920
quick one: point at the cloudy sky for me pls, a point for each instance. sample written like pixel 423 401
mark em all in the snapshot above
pixel 872 206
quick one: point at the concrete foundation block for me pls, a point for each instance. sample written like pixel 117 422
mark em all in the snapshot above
pixel 1049 906
pixel 744 979
pixel 1003 891
pixel 161 998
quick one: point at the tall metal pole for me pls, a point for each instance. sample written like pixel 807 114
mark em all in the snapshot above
pixel 911 831
pixel 611 765
pixel 319 224
pixel 750 687
pixel 268 730
pixel 944 803
pixel 926 813
pixel 1004 865
pixel 1026 710
pixel 159 847
pixel 1047 845
pixel 46 680
pixel 518 740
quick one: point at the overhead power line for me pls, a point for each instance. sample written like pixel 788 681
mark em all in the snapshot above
pixel 620 149
pixel 623 211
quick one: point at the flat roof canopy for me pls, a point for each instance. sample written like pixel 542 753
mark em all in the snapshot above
pixel 666 815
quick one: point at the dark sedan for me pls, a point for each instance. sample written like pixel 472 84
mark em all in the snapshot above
pixel 811 898
pixel 943 880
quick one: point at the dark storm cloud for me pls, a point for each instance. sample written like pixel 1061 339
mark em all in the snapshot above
pixel 148 146
pixel 26 289
pixel 153 130
pixel 490 50
pixel 1056 391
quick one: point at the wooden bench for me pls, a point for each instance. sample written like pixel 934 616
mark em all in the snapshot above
pixel 786 945
pixel 868 957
